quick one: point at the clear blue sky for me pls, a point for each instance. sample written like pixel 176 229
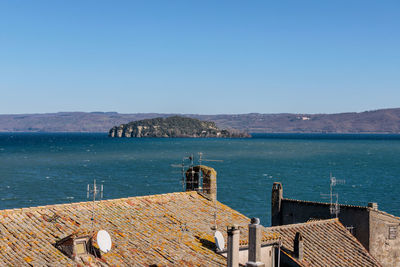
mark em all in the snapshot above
pixel 204 57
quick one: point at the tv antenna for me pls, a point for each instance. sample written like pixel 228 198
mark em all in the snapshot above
pixel 183 166
pixel 188 163
pixel 94 190
pixel 200 175
pixel 334 207
pixel 190 168
pixel 201 158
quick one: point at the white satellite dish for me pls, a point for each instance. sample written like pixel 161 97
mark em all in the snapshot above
pixel 104 241
pixel 219 240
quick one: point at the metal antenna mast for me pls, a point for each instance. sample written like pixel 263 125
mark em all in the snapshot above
pixel 215 216
pixel 94 190
pixel 214 227
pixel 183 174
pixel 200 177
pixel 334 207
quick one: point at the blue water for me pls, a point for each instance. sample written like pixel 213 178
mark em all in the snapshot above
pixel 40 169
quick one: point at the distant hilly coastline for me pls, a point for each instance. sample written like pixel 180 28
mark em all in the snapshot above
pixel 377 121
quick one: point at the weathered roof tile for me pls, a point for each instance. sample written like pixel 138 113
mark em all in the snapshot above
pixel 326 243
pixel 166 229
pixel 169 230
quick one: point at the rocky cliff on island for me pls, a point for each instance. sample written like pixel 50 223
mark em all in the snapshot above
pixel 175 126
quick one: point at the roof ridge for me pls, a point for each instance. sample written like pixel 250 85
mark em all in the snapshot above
pixel 325 203
pixel 326 221
pixel 385 213
pixel 34 208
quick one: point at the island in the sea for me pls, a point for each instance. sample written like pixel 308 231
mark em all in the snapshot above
pixel 175 126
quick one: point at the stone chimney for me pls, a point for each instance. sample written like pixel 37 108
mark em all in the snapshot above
pixel 255 233
pixel 298 246
pixel 233 245
pixel 192 179
pixel 209 186
pixel 276 199
pixel 373 205
pixel 209 182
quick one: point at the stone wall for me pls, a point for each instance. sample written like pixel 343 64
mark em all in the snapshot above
pixel 269 253
pixel 377 231
pixel 385 238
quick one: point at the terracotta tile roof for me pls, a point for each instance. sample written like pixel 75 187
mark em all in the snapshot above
pixel 326 243
pixel 169 230
pixel 267 237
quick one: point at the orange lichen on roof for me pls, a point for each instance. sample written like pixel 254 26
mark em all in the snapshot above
pixel 169 230
pixel 267 238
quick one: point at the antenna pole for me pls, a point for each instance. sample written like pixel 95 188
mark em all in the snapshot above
pixel 200 176
pixel 183 175
pixel 200 155
pixel 94 191
pixel 334 207
pixel 188 179
pixel 215 215
pixel 331 186
pixel 94 200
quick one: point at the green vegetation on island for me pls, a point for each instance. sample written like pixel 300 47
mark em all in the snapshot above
pixel 175 126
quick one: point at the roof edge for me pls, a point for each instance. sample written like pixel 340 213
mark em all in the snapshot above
pixel 323 203
pixel 97 201
pixel 333 220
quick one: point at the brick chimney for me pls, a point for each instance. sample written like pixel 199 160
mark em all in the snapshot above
pixel 298 246
pixel 276 199
pixel 233 245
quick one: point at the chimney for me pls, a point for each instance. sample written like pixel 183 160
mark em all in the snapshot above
pixel 192 178
pixel 298 246
pixel 276 199
pixel 373 205
pixel 255 243
pixel 209 182
pixel 209 178
pixel 233 245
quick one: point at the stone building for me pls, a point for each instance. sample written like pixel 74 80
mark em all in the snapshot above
pixel 376 230
pixel 317 243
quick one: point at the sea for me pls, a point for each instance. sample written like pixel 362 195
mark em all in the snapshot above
pixel 48 168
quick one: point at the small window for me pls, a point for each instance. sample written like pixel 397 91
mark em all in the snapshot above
pixel 393 232
pixel 80 248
